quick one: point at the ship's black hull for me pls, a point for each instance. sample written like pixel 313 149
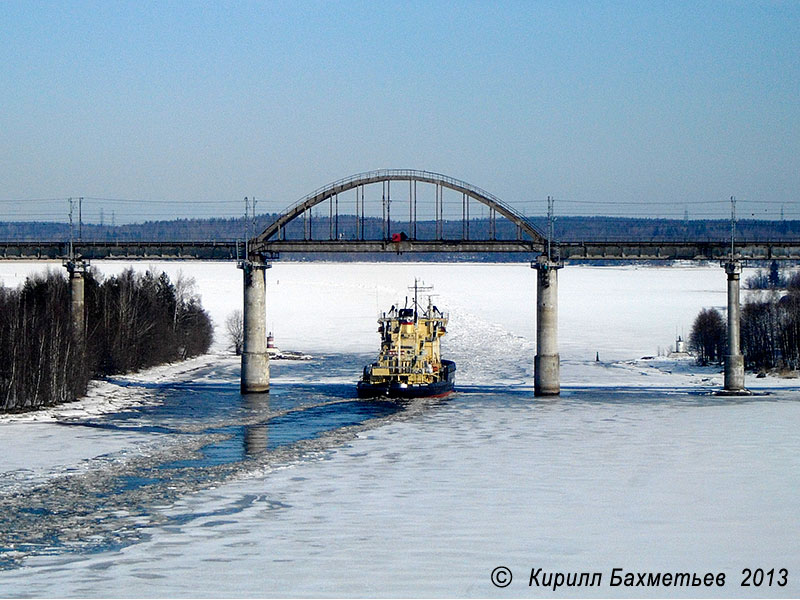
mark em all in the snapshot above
pixel 395 389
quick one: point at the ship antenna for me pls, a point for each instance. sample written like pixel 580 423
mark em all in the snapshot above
pixel 418 288
pixel 416 306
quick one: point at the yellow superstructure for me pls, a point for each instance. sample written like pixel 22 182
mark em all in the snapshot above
pixel 409 346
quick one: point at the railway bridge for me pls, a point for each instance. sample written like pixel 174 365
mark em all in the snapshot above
pixel 433 213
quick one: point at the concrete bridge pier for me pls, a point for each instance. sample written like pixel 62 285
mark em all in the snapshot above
pixel 734 361
pixel 255 359
pixel 546 367
pixel 77 292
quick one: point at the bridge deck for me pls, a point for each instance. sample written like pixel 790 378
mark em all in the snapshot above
pixel 231 249
pixel 123 250
pixel 573 251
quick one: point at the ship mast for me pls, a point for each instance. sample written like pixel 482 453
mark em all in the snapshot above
pixel 419 288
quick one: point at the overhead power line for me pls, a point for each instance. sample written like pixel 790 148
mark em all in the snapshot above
pixel 152 201
pixel 26 200
pixel 119 200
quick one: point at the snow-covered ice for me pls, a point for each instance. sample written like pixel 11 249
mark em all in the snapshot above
pixel 635 466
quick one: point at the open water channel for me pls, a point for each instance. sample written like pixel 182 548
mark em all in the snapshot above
pixel 200 433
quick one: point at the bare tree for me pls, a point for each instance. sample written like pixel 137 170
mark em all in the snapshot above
pixel 134 324
pixel 234 325
pixel 184 294
pixel 708 336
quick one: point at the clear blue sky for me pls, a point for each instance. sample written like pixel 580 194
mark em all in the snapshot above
pixel 670 104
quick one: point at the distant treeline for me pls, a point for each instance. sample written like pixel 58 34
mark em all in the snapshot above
pixel 133 321
pixel 566 229
pixel 770 329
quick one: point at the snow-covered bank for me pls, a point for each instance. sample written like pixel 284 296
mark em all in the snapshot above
pixel 117 392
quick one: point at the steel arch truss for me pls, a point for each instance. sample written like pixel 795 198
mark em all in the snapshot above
pixel 528 235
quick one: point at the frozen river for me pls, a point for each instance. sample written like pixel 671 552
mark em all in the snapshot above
pixel 169 483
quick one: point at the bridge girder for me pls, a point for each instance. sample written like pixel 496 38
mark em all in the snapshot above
pixel 626 250
pixel 384 175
